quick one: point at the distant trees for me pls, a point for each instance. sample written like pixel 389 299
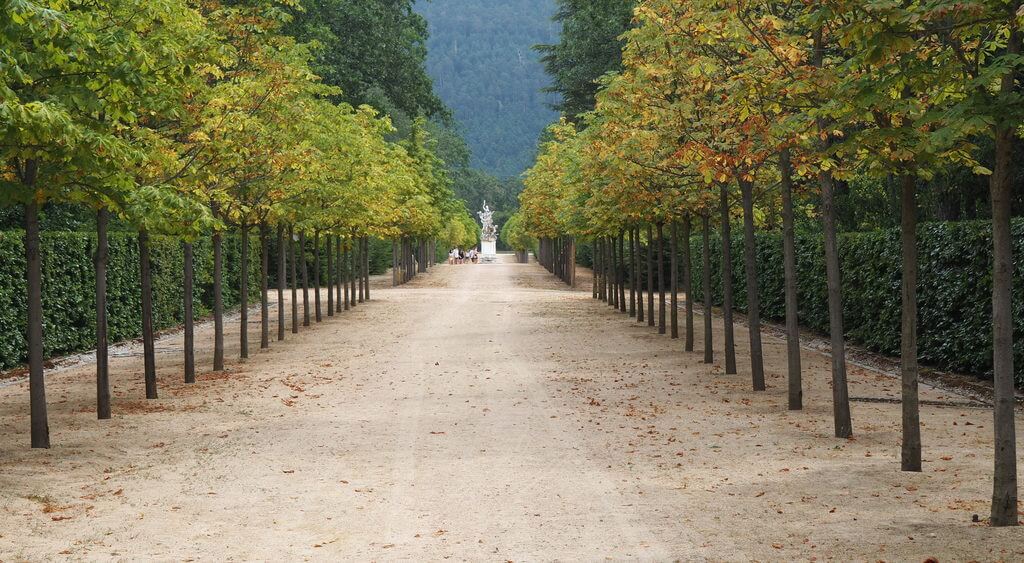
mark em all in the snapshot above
pixel 373 50
pixel 589 47
pixel 480 58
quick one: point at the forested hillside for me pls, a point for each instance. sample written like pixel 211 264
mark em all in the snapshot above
pixel 481 59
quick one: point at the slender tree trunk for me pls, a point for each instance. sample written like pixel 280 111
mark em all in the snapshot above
pixel 424 259
pixel 305 279
pixel 101 259
pixel 796 393
pixel 243 295
pixel 621 271
pixel 727 295
pixel 330 275
pixel 650 275
pixel 293 260
pixel 840 390
pixel 282 267
pixel 190 316
pixel 603 246
pixel 1004 479
pixel 637 262
pixel 34 277
pixel 911 450
pixel 394 265
pixel 674 280
pixel 753 291
pixel 613 263
pixel 316 277
pixel 148 337
pixel 594 261
pixel 661 279
pixel 218 301
pixel 264 286
pixel 571 261
pixel 709 351
pixel 352 268
pixel 344 273
pixel 688 280
pixel 366 265
pixel 632 273
pixel 339 266
pixel 362 277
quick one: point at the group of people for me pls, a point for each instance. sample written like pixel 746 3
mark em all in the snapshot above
pixel 460 256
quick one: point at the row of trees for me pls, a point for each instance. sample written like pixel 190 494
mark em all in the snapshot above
pixel 756 102
pixel 193 119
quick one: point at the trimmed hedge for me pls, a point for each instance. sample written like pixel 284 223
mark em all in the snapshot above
pixel 380 259
pixel 69 316
pixel 954 293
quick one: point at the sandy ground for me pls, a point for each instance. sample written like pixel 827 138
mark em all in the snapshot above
pixel 486 413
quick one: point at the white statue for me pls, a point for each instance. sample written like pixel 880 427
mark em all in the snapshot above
pixel 490 230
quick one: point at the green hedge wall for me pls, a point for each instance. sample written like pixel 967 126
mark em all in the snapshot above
pixel 69 316
pixel 954 294
pixel 380 259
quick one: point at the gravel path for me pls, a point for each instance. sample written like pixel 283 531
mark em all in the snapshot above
pixel 486 413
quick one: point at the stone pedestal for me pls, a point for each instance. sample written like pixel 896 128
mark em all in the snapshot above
pixel 488 251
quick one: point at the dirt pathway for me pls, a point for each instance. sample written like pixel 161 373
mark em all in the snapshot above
pixel 485 413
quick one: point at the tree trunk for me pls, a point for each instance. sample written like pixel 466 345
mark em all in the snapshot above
pixel 366 265
pixel 840 391
pixel 282 266
pixel 316 277
pixel 100 261
pixel 602 270
pixel 394 265
pixel 688 280
pixel 344 273
pixel 339 274
pixel 352 268
pixel 330 275
pixel 190 316
pixel 34 277
pixel 293 260
pixel 243 296
pixel 148 337
pixel 632 273
pixel 650 275
pixel 305 279
pixel 359 268
pixel 218 301
pixel 753 291
pixel 709 352
pixel 911 450
pixel 637 262
pixel 613 273
pixel 1004 478
pixel 674 280
pixel 264 287
pixel 571 263
pixel 424 258
pixel 796 393
pixel 661 279
pixel 593 264
pixel 622 272
pixel 727 296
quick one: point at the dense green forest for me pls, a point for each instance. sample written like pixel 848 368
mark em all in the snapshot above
pixel 481 57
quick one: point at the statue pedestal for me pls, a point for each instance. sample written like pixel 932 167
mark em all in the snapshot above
pixel 488 251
